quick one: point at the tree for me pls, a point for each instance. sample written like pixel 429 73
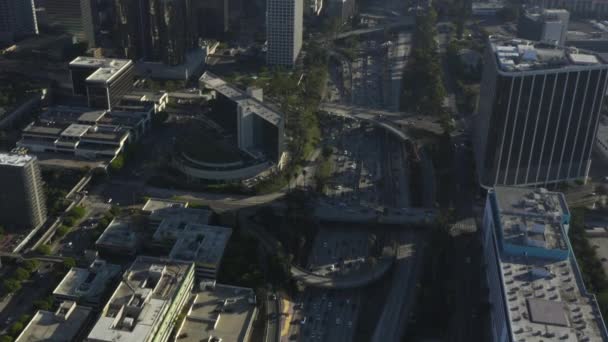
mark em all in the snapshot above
pixel 30 265
pixel 44 303
pixel 69 263
pixel 63 231
pixel 16 328
pixel 6 338
pixel 118 163
pixel 44 249
pixel 21 274
pixel 11 285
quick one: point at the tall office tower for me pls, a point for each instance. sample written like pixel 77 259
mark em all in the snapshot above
pixel 22 203
pixel 544 25
pixel 539 110
pixel 284 31
pixel 132 28
pixel 173 30
pixel 76 17
pixel 214 18
pixel 17 18
pixel 343 9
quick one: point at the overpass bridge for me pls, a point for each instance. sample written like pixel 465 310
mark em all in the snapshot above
pixel 391 216
pixel 394 122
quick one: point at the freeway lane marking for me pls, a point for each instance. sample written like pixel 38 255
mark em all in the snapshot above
pixel 286 315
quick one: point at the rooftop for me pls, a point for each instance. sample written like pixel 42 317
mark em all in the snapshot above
pixel 118 234
pixel 544 291
pixel 107 68
pixel 200 243
pixel 11 159
pixel 515 55
pixel 140 301
pixel 177 211
pixel 248 103
pixel 219 311
pixel 154 205
pixel 59 326
pixel 88 283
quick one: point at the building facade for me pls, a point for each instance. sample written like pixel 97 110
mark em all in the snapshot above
pixel 601 143
pixel 539 110
pixel 103 80
pixel 284 31
pixel 75 17
pixel 145 305
pixel 343 9
pixel 588 8
pixel 544 25
pixel 22 201
pixel 536 289
pixel 17 18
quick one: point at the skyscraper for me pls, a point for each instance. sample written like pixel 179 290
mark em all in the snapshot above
pixel 22 204
pixel 157 30
pixel 539 110
pixel 76 17
pixel 132 28
pixel 284 31
pixel 17 18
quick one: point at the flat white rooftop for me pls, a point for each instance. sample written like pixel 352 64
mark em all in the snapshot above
pixel 544 293
pixel 107 68
pixel 248 103
pixel 141 300
pixel 201 243
pixel 514 54
pixel 88 283
pixel 219 311
pixel 118 235
pixel 11 159
pixel 60 326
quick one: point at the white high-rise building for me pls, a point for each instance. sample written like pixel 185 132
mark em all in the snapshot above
pixel 17 18
pixel 284 31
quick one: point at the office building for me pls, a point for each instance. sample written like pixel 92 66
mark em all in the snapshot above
pixel 75 17
pixel 581 8
pixel 601 144
pixel 188 235
pixel 259 128
pixel 544 25
pixel 17 19
pixel 103 80
pixel 536 289
pixel 147 302
pixel 22 202
pixel 539 109
pixel 284 31
pixel 68 323
pixel 84 132
pixel 315 7
pixel 158 30
pixel 87 285
pixel 118 238
pixel 173 30
pixel 132 28
pixel 219 313
pixel 343 9
pixel 214 18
